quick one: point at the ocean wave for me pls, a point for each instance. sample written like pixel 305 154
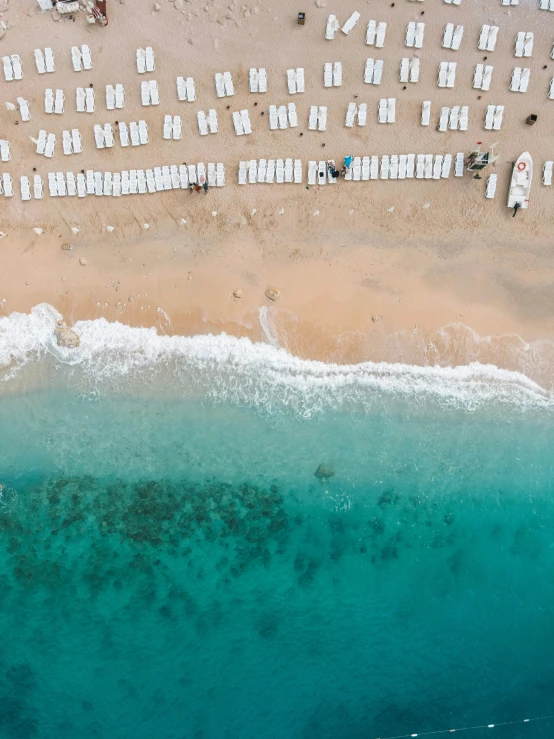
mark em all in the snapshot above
pixel 117 357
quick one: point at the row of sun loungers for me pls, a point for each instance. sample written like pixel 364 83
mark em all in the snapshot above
pixel 258 80
pixel 387 110
pixel 45 60
pixel 206 123
pixel 145 60
pixel 137 131
pixel 356 112
pixel 447 74
pixel 128 182
pixel 493 117
pixel 373 71
pixel 332 74
pixel 285 116
pixel 85 100
pixel 54 103
pixel 186 90
pixel 12 67
pixel 295 80
pixel 81 58
pixel 317 120
pixel 375 34
pixel 482 77
pixel 487 38
pixel 520 79
pixel 115 97
pixel 224 84
pixel 25 185
pixel 409 70
pixel 149 93
pixel 453 119
pixel 46 144
pixel 524 44
pixel 270 171
pixel 452 36
pixel 71 142
pixel 241 121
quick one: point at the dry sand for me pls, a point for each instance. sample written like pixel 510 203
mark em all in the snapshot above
pixel 366 270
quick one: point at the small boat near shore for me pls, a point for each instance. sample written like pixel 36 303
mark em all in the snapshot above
pixel 520 184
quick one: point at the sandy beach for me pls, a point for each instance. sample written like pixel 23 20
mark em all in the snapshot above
pixel 419 271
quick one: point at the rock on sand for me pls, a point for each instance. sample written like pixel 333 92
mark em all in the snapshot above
pixel 67 338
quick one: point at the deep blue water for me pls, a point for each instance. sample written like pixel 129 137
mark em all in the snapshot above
pixel 173 568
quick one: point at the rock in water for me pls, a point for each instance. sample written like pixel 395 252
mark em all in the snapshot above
pixel 324 472
pixel 67 338
pixel 272 293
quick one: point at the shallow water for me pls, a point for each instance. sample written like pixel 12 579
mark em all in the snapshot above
pixel 171 566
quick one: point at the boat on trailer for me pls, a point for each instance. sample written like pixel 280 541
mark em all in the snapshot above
pixel 520 185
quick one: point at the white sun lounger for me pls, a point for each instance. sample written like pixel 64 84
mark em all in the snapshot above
pixel 98 184
pixel 246 125
pixel 87 58
pixel 49 60
pixel 428 166
pixel 520 41
pixel 5 155
pixel 149 59
pixel 483 37
pixel 385 166
pixel 312 173
pixel 40 61
pixel 362 114
pixel 154 93
pixel 219 85
pixel 391 110
pixel 547 174
pixel 371 32
pixel 524 83
pixel 262 86
pixel 141 61
pixel 90 182
pixel 393 171
pixel 516 79
pixel 351 22
pixel 528 44
pixel 76 141
pixel 151 182
pixel 478 77
pixel 108 136
pixel 123 134
pixel 24 109
pixel 110 97
pixel 181 89
pixel 414 70
pixel 404 69
pixel 279 172
pixel 446 166
pixel 454 118
pixel 237 122
pixel 328 75
pixel 125 182
pixel 41 142
pixel 143 132
pixel 410 34
pixel 457 38
pixel 253 79
pixel 298 171
pixel 38 187
pixel 443 120
pixel 420 167
pixel 374 167
pixel 16 65
pixel 419 33
pixel 89 100
pixel 191 89
pixel 242 173
pixel 59 101
pixel 551 89
pixel 313 118
pixel 273 119
pixel 368 72
pixel 108 184
pixel 459 165
pixel 134 133
pixel 489 117
pixel 133 182
pixel 48 100
pixel 443 72
pixel 25 186
pixel 178 128
pixel 293 115
pixel 99 136
pixel 402 166
pixel 332 27
pixel 76 59
pixel 71 184
pixel 166 177
pixel 410 166
pixel 487 77
pixel 262 170
pixel 8 68
pixel 81 185
pixel 145 93
pixel 228 84
pixel 357 169
pixel 158 179
pixel 351 112
pixel 448 35
pixel 52 185
pixel 168 126
pixel 322 173
pixel 337 74
pixel 498 114
pixel 61 183
pixel 175 178
pixel 437 167
pixel 451 74
pixel 80 100
pixel 491 40
pixel 220 174
pixel 425 112
pixel 119 96
pixel 380 36
pixel 463 121
pixel 382 110
pixel 67 143
pixel 50 146
pixel 377 72
pixel 491 186
pixel 289 170
pixel 282 117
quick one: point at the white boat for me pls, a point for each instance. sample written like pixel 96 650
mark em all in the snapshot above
pixel 520 185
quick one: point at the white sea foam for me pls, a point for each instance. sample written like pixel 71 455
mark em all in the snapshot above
pixel 116 357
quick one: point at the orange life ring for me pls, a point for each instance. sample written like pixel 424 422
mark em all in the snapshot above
pixel 521 166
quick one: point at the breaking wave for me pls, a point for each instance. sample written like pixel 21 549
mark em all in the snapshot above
pixel 113 357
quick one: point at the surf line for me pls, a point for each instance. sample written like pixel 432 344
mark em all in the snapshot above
pixel 469 728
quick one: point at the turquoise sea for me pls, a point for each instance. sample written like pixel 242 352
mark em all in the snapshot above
pixel 171 566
